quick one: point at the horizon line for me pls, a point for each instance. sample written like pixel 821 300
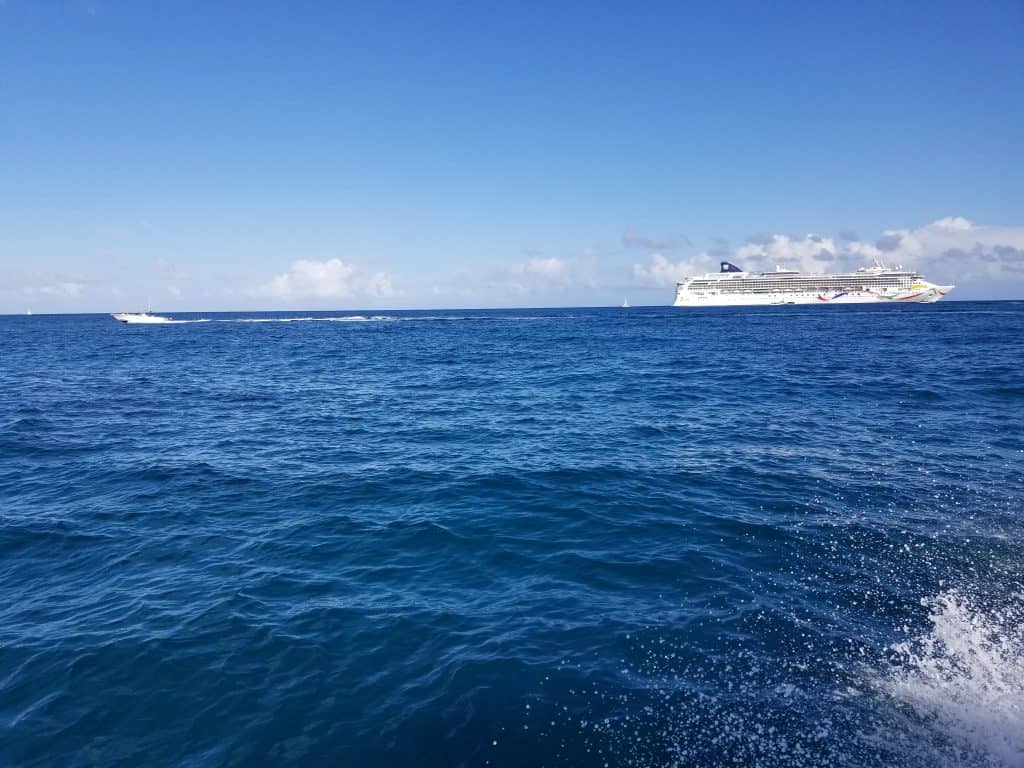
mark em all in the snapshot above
pixel 949 300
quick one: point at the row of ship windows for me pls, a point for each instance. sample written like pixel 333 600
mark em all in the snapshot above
pixel 788 285
pixel 798 279
pixel 776 289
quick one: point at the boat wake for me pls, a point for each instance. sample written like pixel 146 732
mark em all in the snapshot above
pixel 344 319
pixel 340 319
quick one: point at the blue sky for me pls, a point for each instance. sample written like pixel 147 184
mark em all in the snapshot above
pixel 239 155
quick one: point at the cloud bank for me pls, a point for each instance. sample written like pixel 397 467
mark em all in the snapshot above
pixel 537 281
pixel 69 289
pixel 983 261
pixel 329 279
pixel 542 276
pixel 52 286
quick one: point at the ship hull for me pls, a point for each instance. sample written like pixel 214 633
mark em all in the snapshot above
pixel 926 295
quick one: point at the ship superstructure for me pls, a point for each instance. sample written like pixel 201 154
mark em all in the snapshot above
pixel 732 286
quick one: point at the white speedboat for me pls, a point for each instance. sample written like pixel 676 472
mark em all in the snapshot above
pixel 141 317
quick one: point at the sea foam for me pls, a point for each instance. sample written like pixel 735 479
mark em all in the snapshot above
pixel 960 686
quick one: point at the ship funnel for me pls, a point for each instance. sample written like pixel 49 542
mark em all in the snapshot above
pixel 727 266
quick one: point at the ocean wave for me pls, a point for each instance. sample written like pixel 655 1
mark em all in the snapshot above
pixel 375 544
pixel 958 689
pixel 951 696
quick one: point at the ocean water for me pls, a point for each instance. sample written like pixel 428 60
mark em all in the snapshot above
pixel 787 536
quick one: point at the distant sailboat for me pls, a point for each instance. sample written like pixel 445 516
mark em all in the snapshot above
pixel 28 311
pixel 625 303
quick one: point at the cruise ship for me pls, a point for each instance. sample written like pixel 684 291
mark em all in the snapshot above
pixel 734 287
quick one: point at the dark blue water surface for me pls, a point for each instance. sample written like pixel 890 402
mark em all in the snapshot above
pixel 651 537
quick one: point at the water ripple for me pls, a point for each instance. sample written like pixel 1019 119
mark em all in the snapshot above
pixel 586 537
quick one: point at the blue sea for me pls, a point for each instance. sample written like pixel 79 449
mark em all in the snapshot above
pixel 785 536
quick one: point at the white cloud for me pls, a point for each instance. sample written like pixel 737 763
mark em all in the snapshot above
pixel 952 249
pixel 538 278
pixel 329 279
pixel 534 277
pixel 810 252
pixel 66 289
pixel 548 269
pixel 954 223
pixel 551 275
pixel 662 272
pixel 379 285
